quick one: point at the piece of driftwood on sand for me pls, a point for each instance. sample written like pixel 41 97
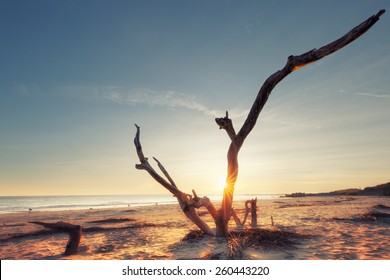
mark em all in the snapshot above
pixel 250 207
pixel 74 231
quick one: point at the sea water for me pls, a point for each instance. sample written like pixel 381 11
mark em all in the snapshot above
pixel 18 204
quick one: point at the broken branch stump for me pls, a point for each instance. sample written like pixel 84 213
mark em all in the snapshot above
pixel 74 231
pixel 250 205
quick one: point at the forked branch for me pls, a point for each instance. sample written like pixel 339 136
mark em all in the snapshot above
pixel 186 201
pixel 296 62
pixel 293 63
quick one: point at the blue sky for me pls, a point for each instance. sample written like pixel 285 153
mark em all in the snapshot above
pixel 76 75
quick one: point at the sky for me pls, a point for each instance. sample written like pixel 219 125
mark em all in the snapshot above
pixel 75 76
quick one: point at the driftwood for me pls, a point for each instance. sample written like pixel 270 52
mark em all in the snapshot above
pixel 222 216
pixel 74 231
pixel 250 206
pixel 187 202
pixel 236 218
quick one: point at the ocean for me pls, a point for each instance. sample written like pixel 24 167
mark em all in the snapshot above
pixel 20 204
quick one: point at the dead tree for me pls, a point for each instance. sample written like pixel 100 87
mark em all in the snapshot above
pixel 222 216
pixel 74 231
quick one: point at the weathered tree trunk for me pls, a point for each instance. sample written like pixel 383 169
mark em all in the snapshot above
pixel 74 231
pixel 293 63
pixel 222 216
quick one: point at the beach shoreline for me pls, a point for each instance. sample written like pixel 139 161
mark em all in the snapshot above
pixel 333 228
pixel 22 204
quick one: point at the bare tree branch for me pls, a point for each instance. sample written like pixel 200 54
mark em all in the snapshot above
pixel 296 62
pixel 236 218
pixel 186 202
pixel 163 170
pixel 144 165
pixel 227 124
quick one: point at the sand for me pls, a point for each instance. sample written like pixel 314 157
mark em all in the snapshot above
pixel 328 228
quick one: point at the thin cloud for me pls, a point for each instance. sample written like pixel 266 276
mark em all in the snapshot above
pixel 163 98
pixel 372 94
pixel 169 99
pixel 88 92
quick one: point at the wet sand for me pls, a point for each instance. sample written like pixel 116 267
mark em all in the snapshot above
pixel 329 228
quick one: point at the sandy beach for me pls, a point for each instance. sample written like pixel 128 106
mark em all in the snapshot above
pixel 330 228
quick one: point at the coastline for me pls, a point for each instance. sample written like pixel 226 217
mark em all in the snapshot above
pixel 334 228
pixel 23 204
